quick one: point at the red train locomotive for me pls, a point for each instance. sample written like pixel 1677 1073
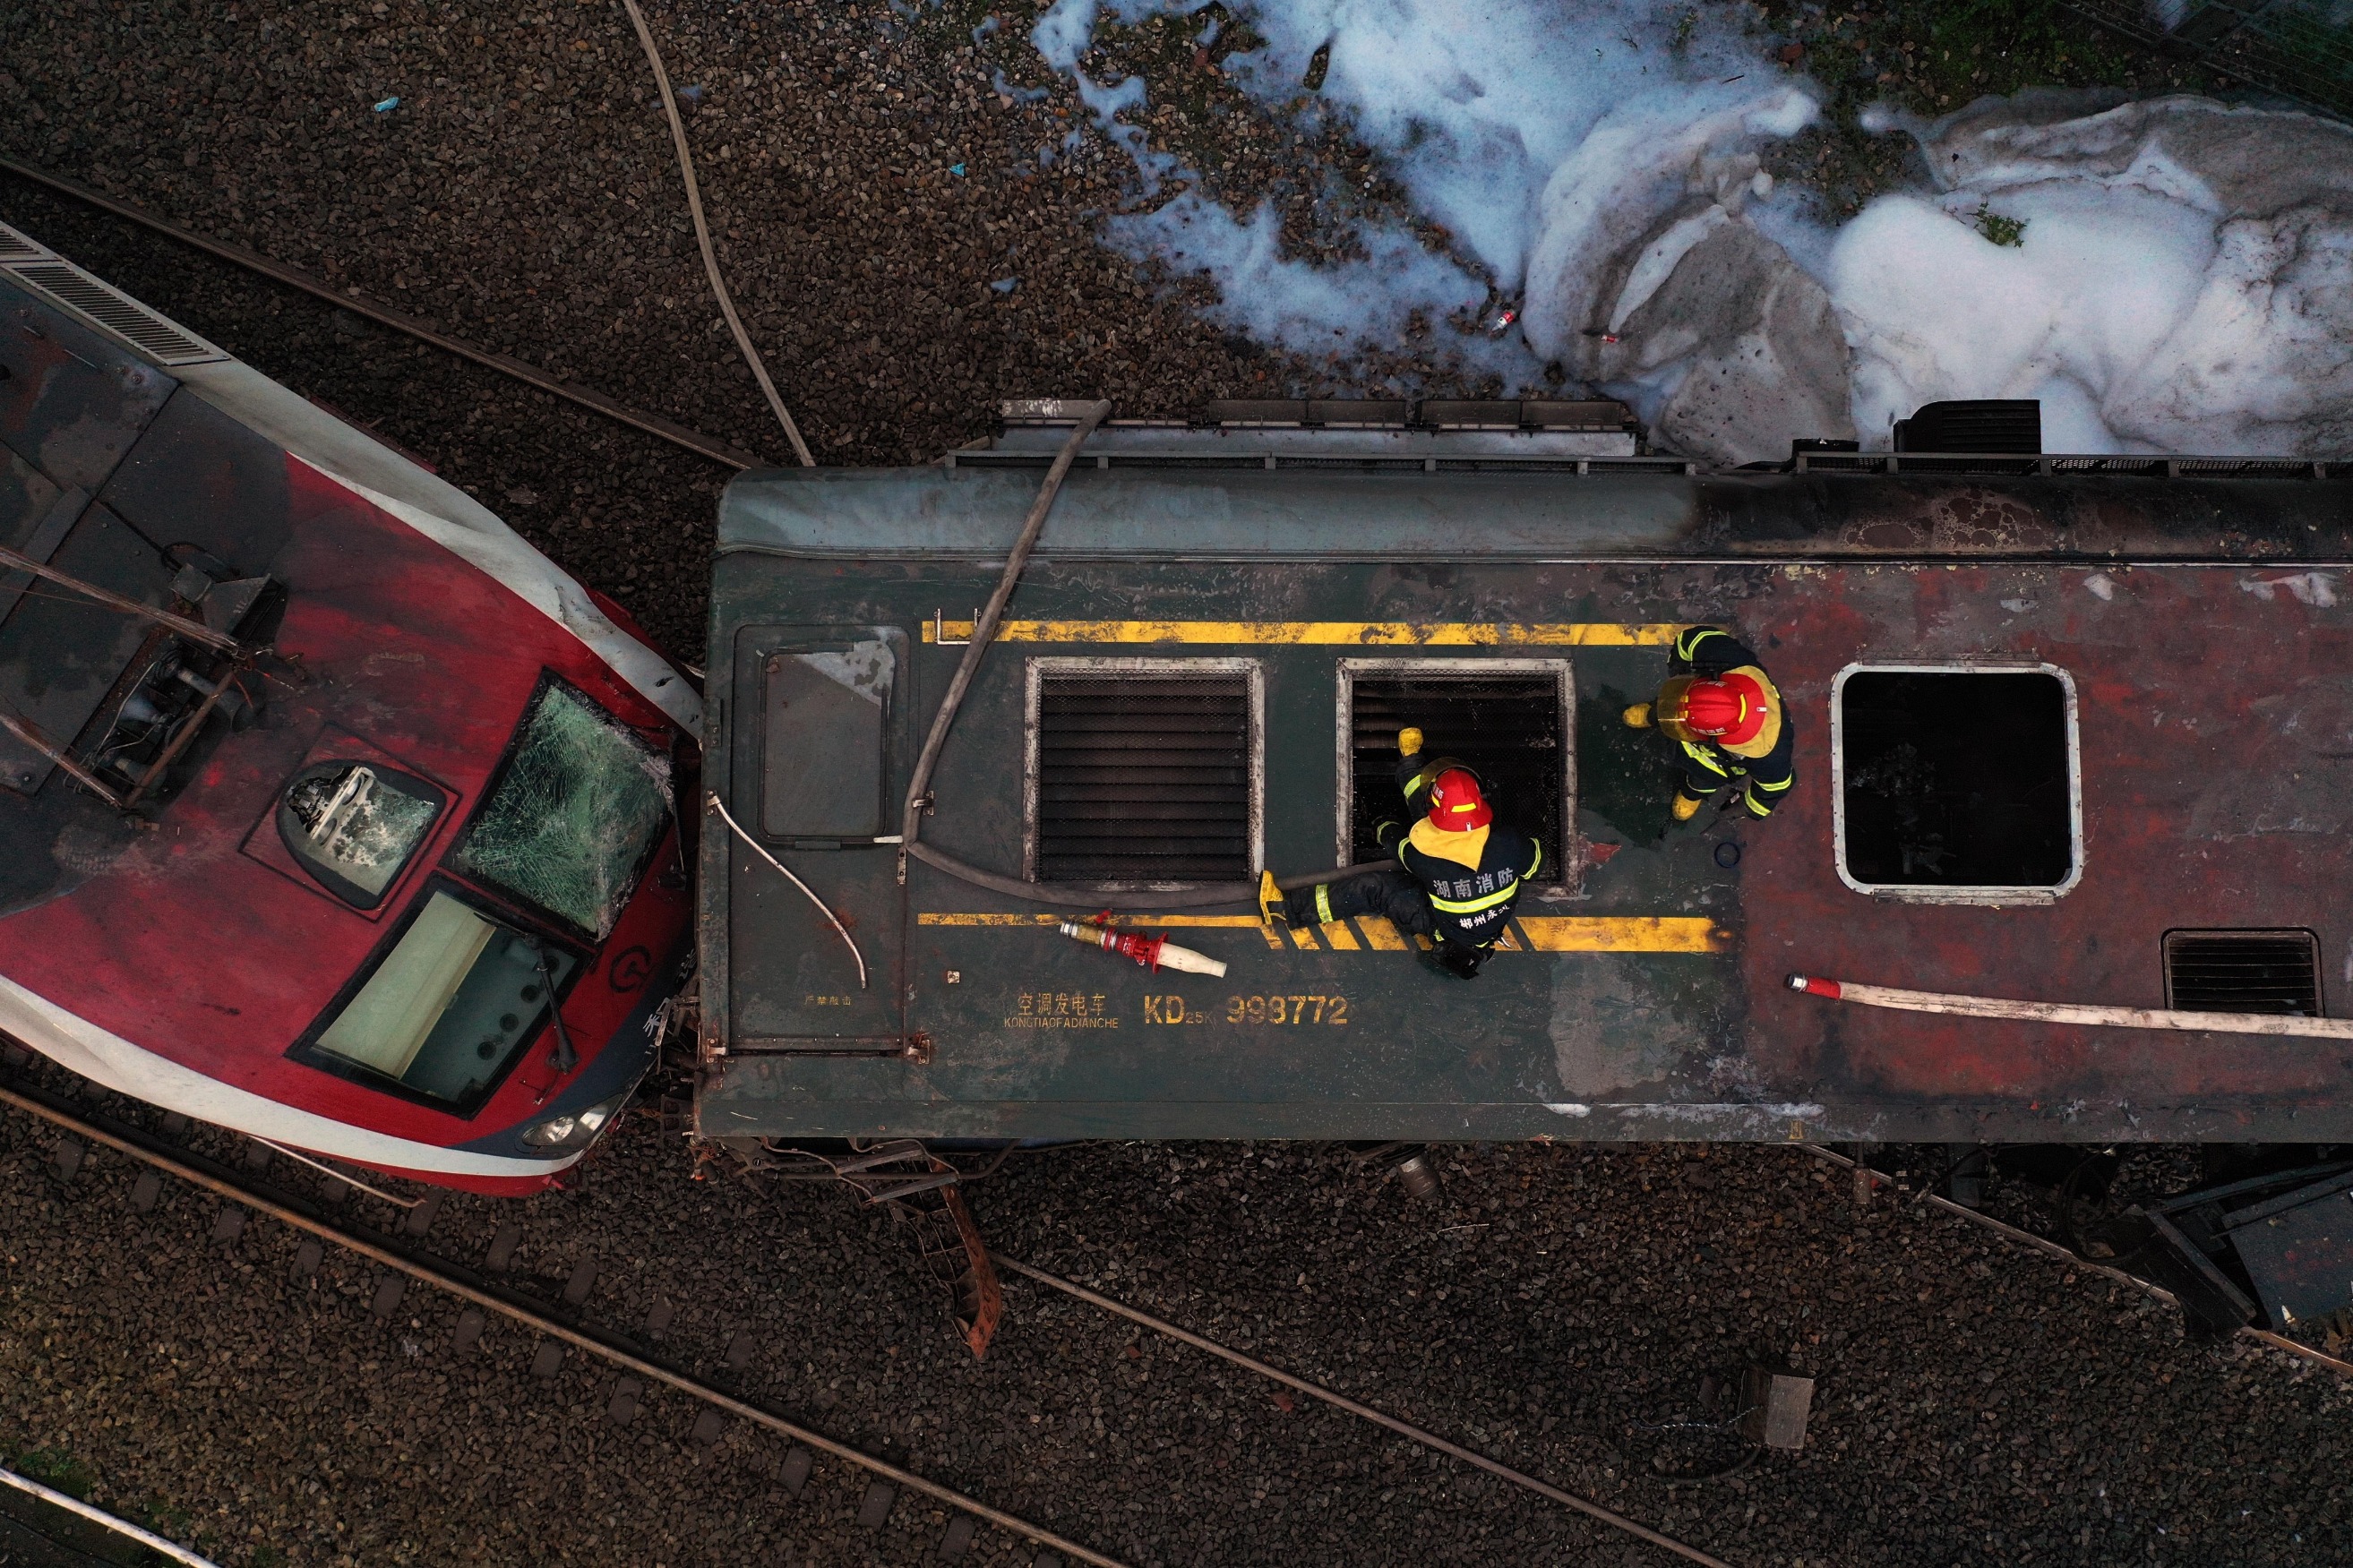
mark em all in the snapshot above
pixel 330 811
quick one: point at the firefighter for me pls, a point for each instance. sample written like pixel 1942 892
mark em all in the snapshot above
pixel 1729 721
pixel 1459 871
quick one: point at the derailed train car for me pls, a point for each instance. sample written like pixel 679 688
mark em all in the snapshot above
pixel 2073 739
pixel 330 811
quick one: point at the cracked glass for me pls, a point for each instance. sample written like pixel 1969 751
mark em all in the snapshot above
pixel 354 825
pixel 580 805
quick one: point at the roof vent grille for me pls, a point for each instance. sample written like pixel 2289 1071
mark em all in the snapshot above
pixel 16 247
pixel 117 313
pixel 1144 776
pixel 2243 972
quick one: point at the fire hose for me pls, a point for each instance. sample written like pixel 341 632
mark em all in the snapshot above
pixel 2071 1012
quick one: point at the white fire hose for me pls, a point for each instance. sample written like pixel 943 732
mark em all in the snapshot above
pixel 2073 1012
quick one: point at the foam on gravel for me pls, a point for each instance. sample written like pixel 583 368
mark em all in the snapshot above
pixel 2167 290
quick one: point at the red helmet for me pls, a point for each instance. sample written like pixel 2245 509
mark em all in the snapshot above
pixel 1731 709
pixel 1455 803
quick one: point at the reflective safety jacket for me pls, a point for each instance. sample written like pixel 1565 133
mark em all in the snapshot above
pixel 1765 765
pixel 1472 880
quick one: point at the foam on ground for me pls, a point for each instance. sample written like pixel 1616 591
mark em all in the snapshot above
pixel 2183 280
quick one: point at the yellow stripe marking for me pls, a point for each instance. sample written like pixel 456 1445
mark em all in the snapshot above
pixel 1538 933
pixel 1343 634
pixel 1625 933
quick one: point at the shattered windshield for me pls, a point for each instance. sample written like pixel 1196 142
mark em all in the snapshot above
pixel 580 805
pixel 354 825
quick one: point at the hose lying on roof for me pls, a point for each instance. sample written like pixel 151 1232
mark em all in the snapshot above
pixel 983 631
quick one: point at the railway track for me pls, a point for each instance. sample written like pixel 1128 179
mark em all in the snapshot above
pixel 400 1246
pixel 486 1289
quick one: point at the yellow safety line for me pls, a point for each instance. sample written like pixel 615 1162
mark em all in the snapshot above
pixel 1538 933
pixel 1625 933
pixel 1345 634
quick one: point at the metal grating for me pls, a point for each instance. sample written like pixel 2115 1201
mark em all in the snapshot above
pixel 117 313
pixel 1509 729
pixel 2243 972
pixel 16 247
pixel 1144 776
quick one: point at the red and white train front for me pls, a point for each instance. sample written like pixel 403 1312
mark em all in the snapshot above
pixel 349 822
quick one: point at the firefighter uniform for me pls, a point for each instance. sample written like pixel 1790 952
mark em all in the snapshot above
pixel 1756 753
pixel 1455 884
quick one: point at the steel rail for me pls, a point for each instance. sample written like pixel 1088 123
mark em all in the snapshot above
pixel 104 1520
pixel 191 1169
pixel 398 320
pixel 1378 1417
pixel 2027 1238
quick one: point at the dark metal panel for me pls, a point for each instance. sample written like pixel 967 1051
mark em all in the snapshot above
pixel 808 754
pixel 60 654
pixel 1181 514
pixel 198 477
pixel 72 400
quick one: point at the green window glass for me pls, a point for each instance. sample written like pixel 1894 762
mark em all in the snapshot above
pixel 578 806
pixel 448 1009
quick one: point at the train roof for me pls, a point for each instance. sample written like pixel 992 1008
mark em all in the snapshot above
pixel 169 943
pixel 2136 789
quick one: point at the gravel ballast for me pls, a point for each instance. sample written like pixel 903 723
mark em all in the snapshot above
pixel 1558 1308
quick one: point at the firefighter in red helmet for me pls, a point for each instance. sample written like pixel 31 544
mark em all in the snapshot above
pixel 1727 720
pixel 1458 874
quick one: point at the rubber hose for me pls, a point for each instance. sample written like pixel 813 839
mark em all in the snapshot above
pixel 984 630
pixel 1201 898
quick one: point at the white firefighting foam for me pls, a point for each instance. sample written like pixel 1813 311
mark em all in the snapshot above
pixel 2182 279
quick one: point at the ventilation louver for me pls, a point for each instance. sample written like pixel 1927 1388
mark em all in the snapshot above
pixel 1144 777
pixel 2243 972
pixel 15 246
pixel 1509 729
pixel 117 313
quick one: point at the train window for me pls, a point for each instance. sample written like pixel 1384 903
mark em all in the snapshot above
pixel 1145 769
pixel 1509 720
pixel 1956 784
pixel 822 740
pixel 574 813
pixel 449 1006
pixel 352 825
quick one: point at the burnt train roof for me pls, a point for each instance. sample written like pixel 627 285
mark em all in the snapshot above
pixel 2180 621
pixel 2059 509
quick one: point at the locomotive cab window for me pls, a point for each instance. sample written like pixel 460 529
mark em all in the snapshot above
pixel 1144 769
pixel 448 1007
pixel 574 813
pixel 1509 720
pixel 825 713
pixel 1956 784
pixel 354 825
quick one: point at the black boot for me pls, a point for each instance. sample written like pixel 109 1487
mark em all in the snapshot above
pixel 1462 963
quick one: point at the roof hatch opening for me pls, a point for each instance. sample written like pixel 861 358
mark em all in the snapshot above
pixel 1507 720
pixel 1958 783
pixel 1143 770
